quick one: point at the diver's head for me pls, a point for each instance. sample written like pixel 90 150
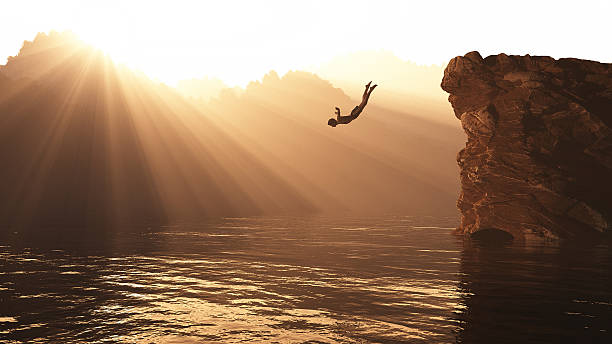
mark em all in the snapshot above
pixel 332 122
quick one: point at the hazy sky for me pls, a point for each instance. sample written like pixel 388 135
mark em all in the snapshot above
pixel 239 41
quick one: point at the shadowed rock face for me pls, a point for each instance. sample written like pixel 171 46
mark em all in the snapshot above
pixel 538 157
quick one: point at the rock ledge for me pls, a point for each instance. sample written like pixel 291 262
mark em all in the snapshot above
pixel 538 157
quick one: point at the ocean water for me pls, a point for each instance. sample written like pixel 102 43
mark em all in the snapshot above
pixel 394 279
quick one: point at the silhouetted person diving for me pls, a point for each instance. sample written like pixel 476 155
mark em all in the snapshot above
pixel 356 111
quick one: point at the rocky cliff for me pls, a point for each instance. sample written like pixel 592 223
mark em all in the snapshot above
pixel 538 157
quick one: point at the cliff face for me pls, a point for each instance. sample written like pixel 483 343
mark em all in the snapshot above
pixel 538 157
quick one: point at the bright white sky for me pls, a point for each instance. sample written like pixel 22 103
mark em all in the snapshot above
pixel 239 41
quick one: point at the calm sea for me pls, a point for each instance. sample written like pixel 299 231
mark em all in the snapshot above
pixel 395 279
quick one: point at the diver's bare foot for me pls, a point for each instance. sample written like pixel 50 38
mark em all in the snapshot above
pixel 373 87
pixel 368 85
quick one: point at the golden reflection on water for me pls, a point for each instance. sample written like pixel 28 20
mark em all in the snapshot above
pixel 236 309
pixel 292 280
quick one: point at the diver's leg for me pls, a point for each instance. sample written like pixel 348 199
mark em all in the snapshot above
pixel 365 92
pixel 366 97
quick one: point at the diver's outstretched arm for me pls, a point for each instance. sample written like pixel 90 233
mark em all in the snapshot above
pixel 337 112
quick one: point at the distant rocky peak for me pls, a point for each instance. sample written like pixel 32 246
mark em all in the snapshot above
pixel 43 42
pixel 42 53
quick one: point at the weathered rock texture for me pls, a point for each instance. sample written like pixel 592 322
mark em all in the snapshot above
pixel 538 157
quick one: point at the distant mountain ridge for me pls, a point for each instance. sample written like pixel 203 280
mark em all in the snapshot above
pixel 86 142
pixel 367 166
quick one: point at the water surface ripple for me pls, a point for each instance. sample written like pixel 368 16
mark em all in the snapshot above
pixel 397 279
